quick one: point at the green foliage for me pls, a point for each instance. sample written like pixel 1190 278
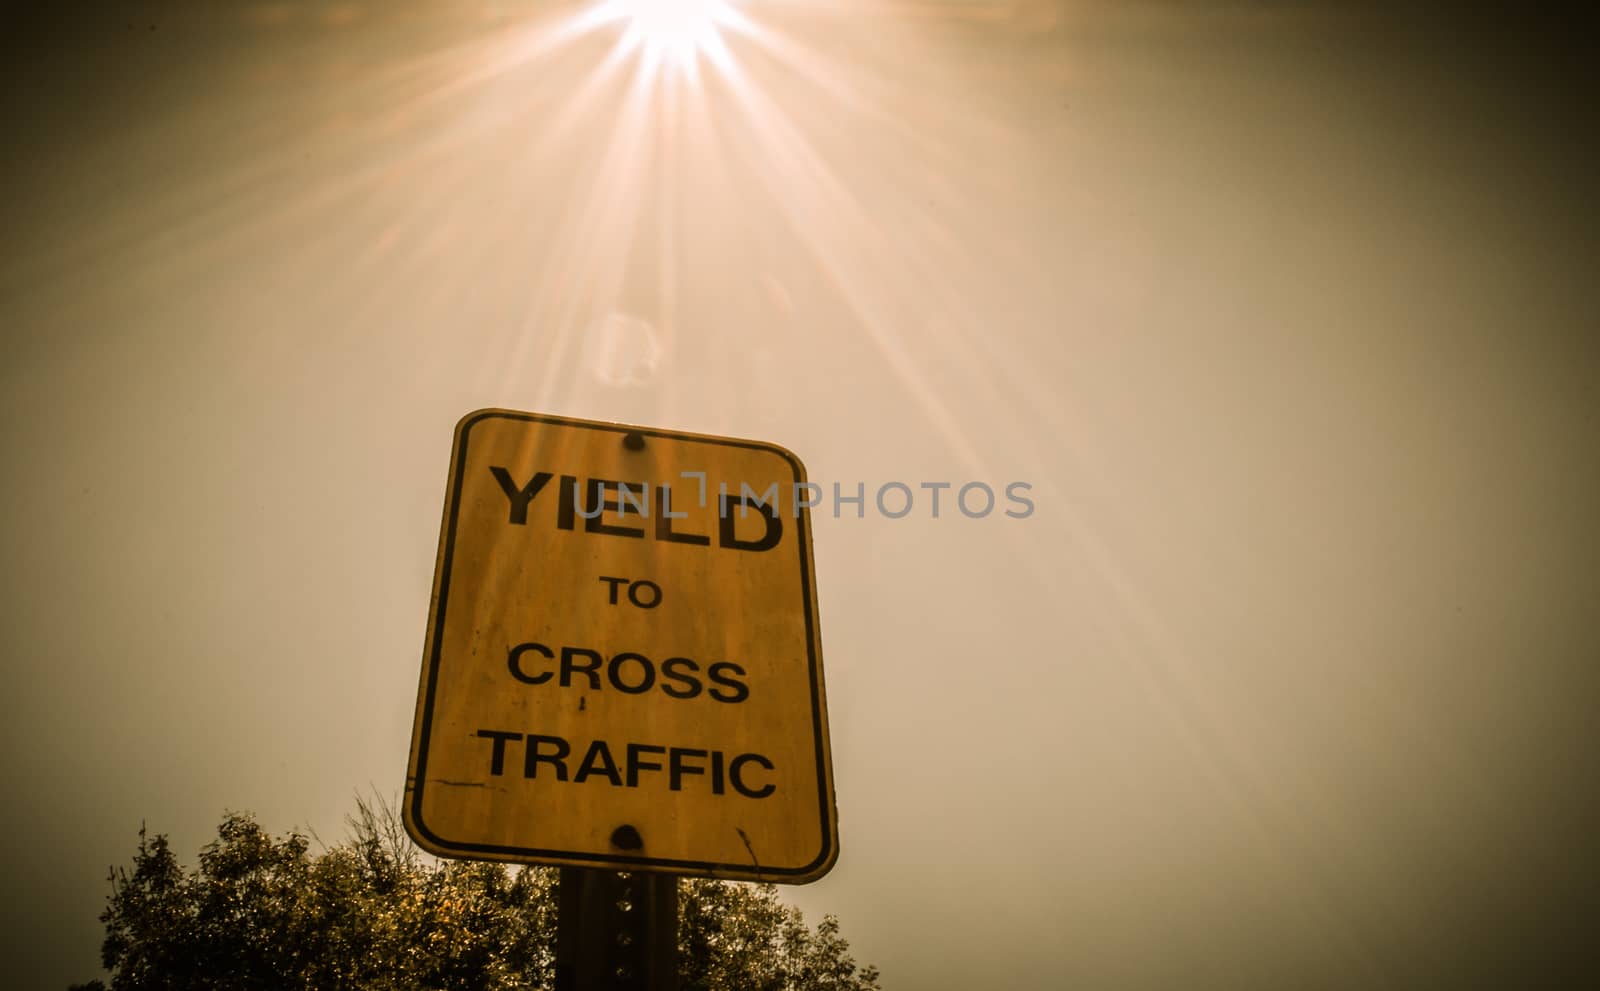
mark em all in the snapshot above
pixel 740 936
pixel 370 914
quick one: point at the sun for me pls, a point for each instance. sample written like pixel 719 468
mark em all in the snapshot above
pixel 679 30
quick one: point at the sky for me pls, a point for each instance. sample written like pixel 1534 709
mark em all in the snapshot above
pixel 1284 313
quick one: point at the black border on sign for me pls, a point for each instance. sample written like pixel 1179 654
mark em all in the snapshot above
pixel 436 844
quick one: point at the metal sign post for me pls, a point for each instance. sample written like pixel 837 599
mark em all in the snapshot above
pixel 616 931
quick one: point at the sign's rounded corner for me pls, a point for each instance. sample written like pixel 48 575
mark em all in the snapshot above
pixel 824 862
pixel 466 422
pixel 797 465
pixel 421 835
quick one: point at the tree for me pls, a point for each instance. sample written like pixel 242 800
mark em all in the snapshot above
pixel 372 914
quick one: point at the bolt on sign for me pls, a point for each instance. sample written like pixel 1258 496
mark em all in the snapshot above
pixel 623 667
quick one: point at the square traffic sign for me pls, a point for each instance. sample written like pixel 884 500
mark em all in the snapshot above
pixel 623 667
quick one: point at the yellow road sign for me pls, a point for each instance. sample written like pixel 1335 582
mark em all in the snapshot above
pixel 623 666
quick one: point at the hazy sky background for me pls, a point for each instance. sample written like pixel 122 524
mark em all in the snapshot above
pixel 1285 311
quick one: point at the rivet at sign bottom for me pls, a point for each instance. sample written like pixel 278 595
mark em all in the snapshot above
pixel 626 838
